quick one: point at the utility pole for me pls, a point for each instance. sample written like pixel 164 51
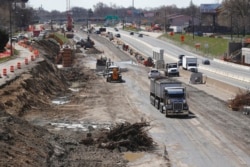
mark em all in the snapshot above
pixel 231 15
pixel 10 13
pixel 165 20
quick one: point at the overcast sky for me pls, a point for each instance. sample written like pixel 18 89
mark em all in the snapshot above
pixel 60 5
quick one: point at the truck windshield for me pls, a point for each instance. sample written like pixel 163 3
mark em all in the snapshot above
pixel 175 93
pixel 172 66
pixel 192 64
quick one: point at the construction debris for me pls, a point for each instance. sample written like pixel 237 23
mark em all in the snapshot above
pixel 240 100
pixel 124 137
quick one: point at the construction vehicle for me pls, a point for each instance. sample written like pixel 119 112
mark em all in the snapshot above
pixel 69 26
pixel 169 96
pixel 101 63
pixel 88 43
pixel 171 69
pixel 190 63
pixel 113 74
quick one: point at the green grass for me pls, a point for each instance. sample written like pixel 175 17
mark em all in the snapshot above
pixel 61 37
pixel 216 47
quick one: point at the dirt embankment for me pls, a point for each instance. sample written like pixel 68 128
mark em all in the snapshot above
pixel 32 90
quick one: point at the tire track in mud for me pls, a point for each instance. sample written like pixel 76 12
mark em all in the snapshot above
pixel 234 125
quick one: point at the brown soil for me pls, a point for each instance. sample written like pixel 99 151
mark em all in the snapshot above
pixel 25 104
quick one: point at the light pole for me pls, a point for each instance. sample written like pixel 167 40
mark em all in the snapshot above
pixel 10 13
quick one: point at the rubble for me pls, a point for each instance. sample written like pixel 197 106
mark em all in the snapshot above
pixel 240 100
pixel 124 137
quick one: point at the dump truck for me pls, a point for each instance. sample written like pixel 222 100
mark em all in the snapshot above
pixel 190 63
pixel 113 74
pixel 169 96
pixel 171 69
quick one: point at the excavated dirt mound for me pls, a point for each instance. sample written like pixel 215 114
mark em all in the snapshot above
pixel 32 90
pixel 22 144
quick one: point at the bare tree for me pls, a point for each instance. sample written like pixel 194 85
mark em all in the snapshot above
pixel 237 9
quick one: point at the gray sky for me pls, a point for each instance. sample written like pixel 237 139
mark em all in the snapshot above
pixel 60 5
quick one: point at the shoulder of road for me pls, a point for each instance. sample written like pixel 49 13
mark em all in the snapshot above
pixel 27 58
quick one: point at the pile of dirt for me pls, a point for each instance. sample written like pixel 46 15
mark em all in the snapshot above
pixel 93 51
pixel 32 90
pixel 22 144
pixel 50 48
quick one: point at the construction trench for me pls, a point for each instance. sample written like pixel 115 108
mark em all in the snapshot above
pixel 71 117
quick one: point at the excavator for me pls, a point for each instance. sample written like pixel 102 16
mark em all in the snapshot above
pixel 69 27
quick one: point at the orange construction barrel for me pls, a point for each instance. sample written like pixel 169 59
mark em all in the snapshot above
pixel 18 65
pixel 32 58
pixel 12 69
pixel 5 72
pixel 26 61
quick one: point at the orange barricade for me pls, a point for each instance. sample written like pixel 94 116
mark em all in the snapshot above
pixel 32 58
pixel 5 72
pixel 18 65
pixel 36 53
pixel 26 61
pixel 12 69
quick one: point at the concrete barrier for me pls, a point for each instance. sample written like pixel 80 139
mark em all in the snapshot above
pixel 214 83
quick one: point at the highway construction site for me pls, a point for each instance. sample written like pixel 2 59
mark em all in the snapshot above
pixel 71 116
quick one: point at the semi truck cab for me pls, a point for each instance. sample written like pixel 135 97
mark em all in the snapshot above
pixel 175 101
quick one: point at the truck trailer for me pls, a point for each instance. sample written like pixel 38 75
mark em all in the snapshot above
pixel 190 63
pixel 169 96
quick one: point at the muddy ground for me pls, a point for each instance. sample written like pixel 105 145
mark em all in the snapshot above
pixel 47 117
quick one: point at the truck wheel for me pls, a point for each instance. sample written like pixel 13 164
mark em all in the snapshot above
pixel 166 113
pixel 157 104
pixel 161 107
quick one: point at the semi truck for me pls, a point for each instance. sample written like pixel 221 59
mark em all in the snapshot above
pixel 171 69
pixel 190 63
pixel 169 96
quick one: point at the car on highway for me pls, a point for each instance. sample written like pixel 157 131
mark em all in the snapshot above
pixel 116 29
pixel 118 35
pixel 98 32
pixel 206 62
pixel 131 33
pixel 154 73
pixel 140 35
